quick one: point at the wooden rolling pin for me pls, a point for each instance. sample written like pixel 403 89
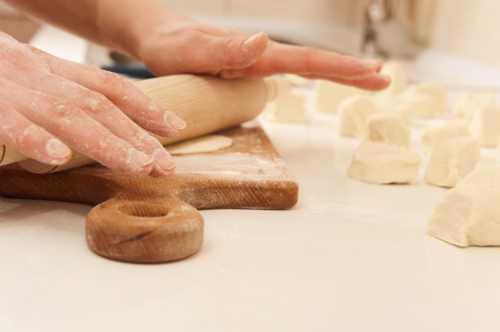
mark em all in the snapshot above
pixel 207 104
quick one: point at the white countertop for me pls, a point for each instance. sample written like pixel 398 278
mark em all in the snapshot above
pixel 349 257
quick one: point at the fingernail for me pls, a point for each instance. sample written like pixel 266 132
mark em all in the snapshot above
pixel 163 160
pixel 174 121
pixel 252 41
pixel 139 162
pixel 57 149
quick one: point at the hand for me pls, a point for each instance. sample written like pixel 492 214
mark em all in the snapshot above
pixel 49 105
pixel 185 46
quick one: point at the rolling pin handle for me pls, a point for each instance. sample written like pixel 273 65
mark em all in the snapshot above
pixel 144 231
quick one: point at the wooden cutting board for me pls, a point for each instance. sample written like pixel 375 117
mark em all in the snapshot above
pixel 147 220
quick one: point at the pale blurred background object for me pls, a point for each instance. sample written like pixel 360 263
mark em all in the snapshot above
pixel 16 24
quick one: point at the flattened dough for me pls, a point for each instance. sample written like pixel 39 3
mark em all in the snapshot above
pixel 208 143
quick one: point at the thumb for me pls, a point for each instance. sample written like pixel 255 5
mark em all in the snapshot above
pixel 241 52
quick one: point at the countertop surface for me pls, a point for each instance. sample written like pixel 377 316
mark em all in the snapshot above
pixel 350 256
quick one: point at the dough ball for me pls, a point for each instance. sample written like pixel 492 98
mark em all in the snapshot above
pixel 202 144
pixel 451 160
pixel 288 108
pixel 380 163
pixel 328 95
pixel 431 136
pixel 353 114
pixel 389 129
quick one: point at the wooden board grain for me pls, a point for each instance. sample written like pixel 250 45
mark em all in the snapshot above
pixel 145 219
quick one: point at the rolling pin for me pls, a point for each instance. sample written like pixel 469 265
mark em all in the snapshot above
pixel 207 104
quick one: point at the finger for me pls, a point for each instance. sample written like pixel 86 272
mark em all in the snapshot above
pixel 21 134
pixel 281 58
pixel 105 112
pixel 143 110
pixel 376 82
pixel 77 129
pixel 233 52
pixel 213 53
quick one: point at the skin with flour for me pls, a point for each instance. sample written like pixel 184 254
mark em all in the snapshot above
pixel 67 105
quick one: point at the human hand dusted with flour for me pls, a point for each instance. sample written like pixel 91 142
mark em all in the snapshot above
pixel 49 105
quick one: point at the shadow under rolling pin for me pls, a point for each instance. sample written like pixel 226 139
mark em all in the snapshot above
pixel 207 104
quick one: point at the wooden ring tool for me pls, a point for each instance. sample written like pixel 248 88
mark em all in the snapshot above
pixel 150 220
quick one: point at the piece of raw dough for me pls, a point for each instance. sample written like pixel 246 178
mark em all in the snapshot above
pixel 389 129
pixel 399 80
pixel 297 80
pixel 380 163
pixel 328 95
pixel 394 105
pixel 451 160
pixel 484 123
pixel 353 114
pixel 437 93
pixel 470 214
pixel 290 107
pixel 483 175
pixel 467 103
pixel 419 105
pixel 431 136
pixel 208 143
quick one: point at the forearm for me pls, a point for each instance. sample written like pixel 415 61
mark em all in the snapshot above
pixel 117 24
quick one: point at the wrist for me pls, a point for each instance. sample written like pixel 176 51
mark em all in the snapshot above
pixel 135 24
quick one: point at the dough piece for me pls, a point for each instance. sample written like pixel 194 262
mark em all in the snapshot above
pixel 288 108
pixel 353 113
pixel 483 175
pixel 328 95
pixel 393 105
pixel 399 81
pixel 297 80
pixel 451 160
pixel 389 129
pixel 202 144
pixel 419 105
pixel 484 124
pixel 468 215
pixel 380 163
pixel 431 136
pixel 435 92
pixel 467 103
